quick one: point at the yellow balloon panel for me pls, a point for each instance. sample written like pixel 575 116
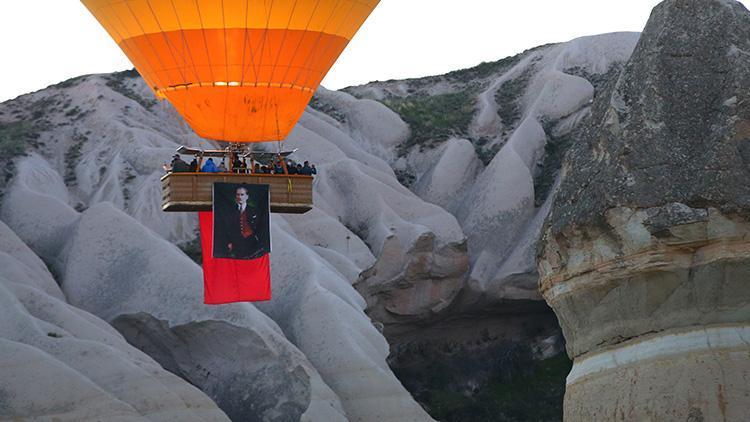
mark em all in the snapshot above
pixel 237 70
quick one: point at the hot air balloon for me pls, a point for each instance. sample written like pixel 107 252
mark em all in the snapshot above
pixel 238 71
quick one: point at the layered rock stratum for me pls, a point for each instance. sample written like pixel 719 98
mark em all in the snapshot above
pixel 646 255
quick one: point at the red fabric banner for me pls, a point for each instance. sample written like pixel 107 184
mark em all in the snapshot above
pixel 232 280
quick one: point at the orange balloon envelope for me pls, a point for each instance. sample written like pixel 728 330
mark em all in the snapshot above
pixel 236 70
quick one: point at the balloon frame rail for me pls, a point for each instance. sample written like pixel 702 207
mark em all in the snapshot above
pixel 184 192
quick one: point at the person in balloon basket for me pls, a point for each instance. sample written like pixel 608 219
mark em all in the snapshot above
pixel 209 167
pixel 237 229
pixel 178 165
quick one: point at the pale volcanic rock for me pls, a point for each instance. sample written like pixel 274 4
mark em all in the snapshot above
pixel 37 208
pixel 321 140
pixel 497 211
pixel 447 178
pixel 332 240
pixel 373 126
pixel 108 146
pixel 647 247
pixel 415 245
pixel 89 370
pixel 152 293
pixel 21 261
pixel 504 198
pixel 113 154
pixel 419 246
pixel 323 315
pixel 593 273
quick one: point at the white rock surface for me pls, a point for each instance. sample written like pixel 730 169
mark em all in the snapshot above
pixel 499 216
pixel 89 370
pixel 324 316
pixel 120 162
pixel 373 126
pixel 116 268
pixel 37 208
pixel 332 240
pixel 447 180
pixel 496 207
pixel 361 198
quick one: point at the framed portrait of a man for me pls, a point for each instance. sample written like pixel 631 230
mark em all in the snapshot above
pixel 241 221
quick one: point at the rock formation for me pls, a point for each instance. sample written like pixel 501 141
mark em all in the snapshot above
pixel 646 257
pixel 420 248
pixel 61 363
pixel 93 149
pixel 483 146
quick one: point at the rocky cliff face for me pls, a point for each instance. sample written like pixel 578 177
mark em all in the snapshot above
pixel 647 249
pixel 486 144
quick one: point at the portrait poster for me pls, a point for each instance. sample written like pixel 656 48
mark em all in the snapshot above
pixel 241 221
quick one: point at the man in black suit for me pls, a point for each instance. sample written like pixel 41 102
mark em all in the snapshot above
pixel 237 234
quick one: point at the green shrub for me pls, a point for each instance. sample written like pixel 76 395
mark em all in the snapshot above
pixel 508 97
pixel 14 138
pixel 42 107
pixel 486 154
pixel 554 153
pixel 519 389
pixel 72 155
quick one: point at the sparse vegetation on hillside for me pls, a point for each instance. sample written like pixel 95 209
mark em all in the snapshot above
pixel 15 139
pixel 508 97
pixel 72 82
pixel 72 155
pixel 404 177
pixel 484 69
pixel 127 178
pixel 485 151
pixel 434 118
pixel 42 107
pixel 554 152
pixel 119 81
pixel 327 109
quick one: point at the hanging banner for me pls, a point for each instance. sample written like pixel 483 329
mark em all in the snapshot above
pixel 236 243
